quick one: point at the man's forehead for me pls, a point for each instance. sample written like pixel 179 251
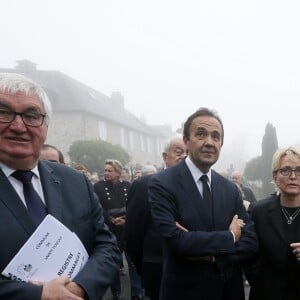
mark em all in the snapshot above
pixel 177 145
pixel 206 122
pixel 19 95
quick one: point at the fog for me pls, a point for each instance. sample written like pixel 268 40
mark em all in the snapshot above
pixel 169 58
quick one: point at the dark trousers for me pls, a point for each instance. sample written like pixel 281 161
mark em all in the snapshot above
pixel 135 279
pixel 151 277
pixel 116 285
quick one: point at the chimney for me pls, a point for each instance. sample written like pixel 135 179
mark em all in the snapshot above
pixel 117 100
pixel 25 65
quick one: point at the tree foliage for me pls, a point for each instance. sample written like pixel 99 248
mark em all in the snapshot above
pixel 252 170
pixel 93 154
pixel 260 167
pixel 269 146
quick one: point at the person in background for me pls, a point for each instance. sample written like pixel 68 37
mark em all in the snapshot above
pixel 94 178
pixel 137 174
pixel 51 153
pixel 247 193
pixel 276 274
pixel 148 169
pixel 143 244
pixel 113 196
pixel 248 199
pixel 125 176
pixel 200 216
pixel 83 169
pixel 25 113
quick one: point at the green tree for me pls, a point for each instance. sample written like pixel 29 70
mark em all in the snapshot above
pixel 252 169
pixel 260 168
pixel 268 147
pixel 93 153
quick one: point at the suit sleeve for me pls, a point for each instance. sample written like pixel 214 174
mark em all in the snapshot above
pixel 137 219
pixel 167 207
pixel 82 214
pixel 105 258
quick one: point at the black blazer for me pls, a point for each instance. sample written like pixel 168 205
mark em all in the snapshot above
pixel 70 198
pixel 174 197
pixel 142 239
pixel 268 280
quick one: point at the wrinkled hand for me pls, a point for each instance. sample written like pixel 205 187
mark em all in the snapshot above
pixel 236 226
pixel 119 221
pixel 296 250
pixel 59 289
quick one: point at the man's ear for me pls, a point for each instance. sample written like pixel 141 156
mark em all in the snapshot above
pixel 164 155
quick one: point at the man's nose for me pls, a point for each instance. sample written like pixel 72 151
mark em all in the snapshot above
pixel 209 140
pixel 17 122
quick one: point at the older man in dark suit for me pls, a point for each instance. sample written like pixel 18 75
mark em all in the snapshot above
pixel 49 188
pixel 206 232
pixel 143 243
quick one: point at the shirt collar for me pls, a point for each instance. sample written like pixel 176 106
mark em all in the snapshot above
pixel 8 171
pixel 196 173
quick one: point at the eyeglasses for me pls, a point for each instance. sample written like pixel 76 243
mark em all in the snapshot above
pixel 288 171
pixel 32 119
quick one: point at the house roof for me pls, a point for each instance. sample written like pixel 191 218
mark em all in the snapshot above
pixel 69 95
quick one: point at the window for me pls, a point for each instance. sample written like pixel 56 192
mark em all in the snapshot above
pixel 102 130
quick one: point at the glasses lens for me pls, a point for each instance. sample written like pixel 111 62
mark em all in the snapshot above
pixel 33 119
pixel 285 171
pixel 6 115
pixel 288 171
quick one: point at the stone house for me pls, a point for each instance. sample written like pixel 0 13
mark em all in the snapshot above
pixel 83 113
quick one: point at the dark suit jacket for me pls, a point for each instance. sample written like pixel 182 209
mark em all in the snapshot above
pixel 142 239
pixel 270 274
pixel 70 198
pixel 174 197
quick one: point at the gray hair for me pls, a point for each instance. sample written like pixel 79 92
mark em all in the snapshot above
pixel 115 164
pixel 148 169
pixel 169 143
pixel 14 83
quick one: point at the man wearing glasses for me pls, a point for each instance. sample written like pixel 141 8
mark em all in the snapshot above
pixel 31 189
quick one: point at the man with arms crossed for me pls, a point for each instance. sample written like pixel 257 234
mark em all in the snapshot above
pixel 201 222
pixel 143 243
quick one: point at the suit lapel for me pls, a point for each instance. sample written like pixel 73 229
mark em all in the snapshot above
pixel 192 193
pixel 52 190
pixel 14 204
pixel 217 206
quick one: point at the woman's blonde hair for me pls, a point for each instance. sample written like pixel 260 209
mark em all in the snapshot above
pixel 115 164
pixel 292 153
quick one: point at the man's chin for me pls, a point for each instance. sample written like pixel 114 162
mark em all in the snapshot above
pixel 209 161
pixel 16 155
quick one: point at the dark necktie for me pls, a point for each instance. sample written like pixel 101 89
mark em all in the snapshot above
pixel 207 198
pixel 35 206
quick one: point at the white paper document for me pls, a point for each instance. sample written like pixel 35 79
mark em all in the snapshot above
pixel 51 251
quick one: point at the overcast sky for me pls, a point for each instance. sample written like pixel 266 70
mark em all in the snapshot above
pixel 168 57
